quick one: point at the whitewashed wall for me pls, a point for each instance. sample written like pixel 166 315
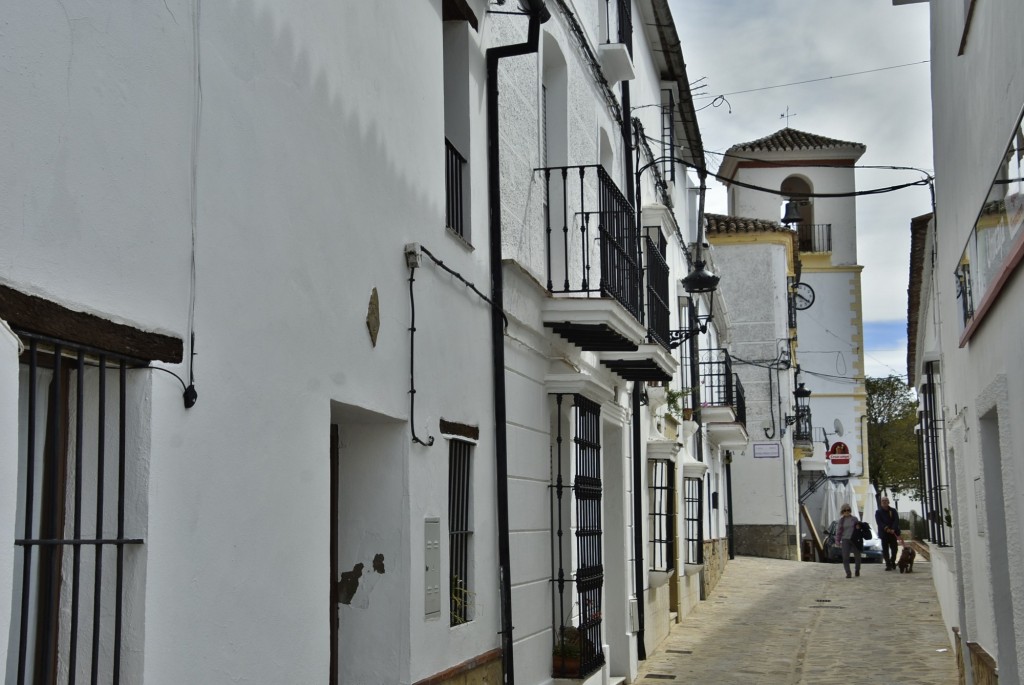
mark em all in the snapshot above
pixel 763 488
pixel 313 171
pixel 977 98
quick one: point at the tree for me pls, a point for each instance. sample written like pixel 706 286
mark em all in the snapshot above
pixel 892 415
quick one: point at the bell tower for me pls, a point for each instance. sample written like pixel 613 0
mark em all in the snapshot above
pixel 794 177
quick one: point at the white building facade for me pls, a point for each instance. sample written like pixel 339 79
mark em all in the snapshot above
pixel 815 176
pixel 965 327
pixel 265 422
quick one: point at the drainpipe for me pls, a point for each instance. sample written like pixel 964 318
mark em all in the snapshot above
pixel 728 501
pixel 626 38
pixel 538 14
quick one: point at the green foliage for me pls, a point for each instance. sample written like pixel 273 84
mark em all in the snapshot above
pixel 892 415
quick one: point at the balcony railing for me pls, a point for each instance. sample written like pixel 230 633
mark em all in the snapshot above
pixel 583 207
pixel 454 164
pixel 720 387
pixel 617 21
pixel 803 430
pixel 815 237
pixel 657 295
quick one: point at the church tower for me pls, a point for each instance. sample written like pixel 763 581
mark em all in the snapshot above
pixel 814 176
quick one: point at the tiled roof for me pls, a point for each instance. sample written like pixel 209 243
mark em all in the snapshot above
pixel 789 139
pixel 918 239
pixel 722 225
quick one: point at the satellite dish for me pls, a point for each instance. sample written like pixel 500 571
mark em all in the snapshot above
pixel 838 426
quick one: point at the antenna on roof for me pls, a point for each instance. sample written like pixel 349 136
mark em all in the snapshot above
pixel 786 115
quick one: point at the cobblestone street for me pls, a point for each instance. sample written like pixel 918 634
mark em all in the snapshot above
pixel 783 622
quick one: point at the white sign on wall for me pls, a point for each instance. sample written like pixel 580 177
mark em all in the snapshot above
pixel 767 450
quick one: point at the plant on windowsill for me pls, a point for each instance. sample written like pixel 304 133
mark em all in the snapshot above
pixel 567 654
pixel 674 403
pixel 462 602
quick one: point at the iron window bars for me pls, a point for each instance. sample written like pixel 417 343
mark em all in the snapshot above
pixel 454 167
pixel 662 496
pixel 930 458
pixel 657 289
pixel 459 529
pixel 582 640
pixel 65 402
pixel 694 508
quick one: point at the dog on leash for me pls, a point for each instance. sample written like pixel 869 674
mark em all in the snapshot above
pixel 906 561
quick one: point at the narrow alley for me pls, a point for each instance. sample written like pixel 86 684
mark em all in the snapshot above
pixel 782 622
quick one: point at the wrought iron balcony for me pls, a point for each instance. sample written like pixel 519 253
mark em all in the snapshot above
pixel 657 294
pixel 583 207
pixel 815 237
pixel 595 275
pixel 723 400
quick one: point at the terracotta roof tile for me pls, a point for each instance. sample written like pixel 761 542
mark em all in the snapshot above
pixel 721 224
pixel 789 139
pixel 918 239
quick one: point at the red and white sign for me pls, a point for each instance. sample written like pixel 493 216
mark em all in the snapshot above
pixel 838 454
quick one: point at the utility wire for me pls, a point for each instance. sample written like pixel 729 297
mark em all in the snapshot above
pixel 815 80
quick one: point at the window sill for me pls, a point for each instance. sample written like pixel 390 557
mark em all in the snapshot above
pixel 459 239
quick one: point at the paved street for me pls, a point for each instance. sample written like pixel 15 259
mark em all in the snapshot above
pixel 786 622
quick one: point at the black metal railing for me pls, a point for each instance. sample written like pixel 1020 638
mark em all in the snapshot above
pixel 77 466
pixel 577 649
pixel 585 206
pixel 454 166
pixel 739 401
pixel 815 237
pixel 668 135
pixel 618 20
pixel 802 429
pixel 657 294
pixel 716 378
pixel 930 450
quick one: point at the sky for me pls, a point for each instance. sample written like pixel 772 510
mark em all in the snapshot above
pixel 739 45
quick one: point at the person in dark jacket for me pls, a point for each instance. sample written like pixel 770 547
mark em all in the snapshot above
pixel 887 521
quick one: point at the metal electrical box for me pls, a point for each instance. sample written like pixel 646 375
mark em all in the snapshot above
pixel 432 557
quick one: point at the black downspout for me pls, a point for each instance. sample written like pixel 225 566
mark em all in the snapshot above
pixel 538 15
pixel 626 37
pixel 695 402
pixel 728 502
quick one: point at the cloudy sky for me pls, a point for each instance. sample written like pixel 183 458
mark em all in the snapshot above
pixel 740 45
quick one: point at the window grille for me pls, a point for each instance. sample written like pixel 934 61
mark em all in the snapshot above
pixel 929 442
pixel 657 288
pixel 460 529
pixel 661 507
pixel 694 521
pixel 76 467
pixel 586 612
pixel 668 133
pixel 455 165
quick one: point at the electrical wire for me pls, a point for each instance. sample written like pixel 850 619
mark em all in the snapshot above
pixel 816 80
pixel 412 364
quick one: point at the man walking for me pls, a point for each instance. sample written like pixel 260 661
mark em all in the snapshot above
pixel 888 522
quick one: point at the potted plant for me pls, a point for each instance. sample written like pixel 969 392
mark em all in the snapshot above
pixel 675 403
pixel 565 656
